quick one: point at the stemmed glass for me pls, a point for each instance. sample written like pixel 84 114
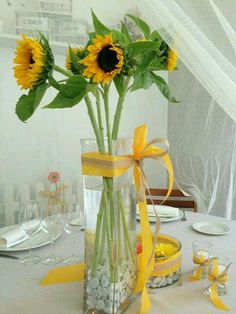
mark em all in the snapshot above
pixel 72 223
pixel 30 221
pixel 52 225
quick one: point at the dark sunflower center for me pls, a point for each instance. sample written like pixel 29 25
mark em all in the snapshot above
pixel 107 59
pixel 31 60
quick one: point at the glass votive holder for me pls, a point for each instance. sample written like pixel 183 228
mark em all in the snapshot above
pixel 219 267
pixel 202 252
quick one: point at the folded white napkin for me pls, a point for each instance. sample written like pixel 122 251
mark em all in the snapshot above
pixel 163 211
pixel 12 237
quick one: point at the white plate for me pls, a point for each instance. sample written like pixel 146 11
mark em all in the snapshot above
pixel 39 239
pixel 164 219
pixel 210 227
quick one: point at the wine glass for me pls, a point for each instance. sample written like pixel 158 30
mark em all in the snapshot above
pixel 72 223
pixel 30 221
pixel 52 225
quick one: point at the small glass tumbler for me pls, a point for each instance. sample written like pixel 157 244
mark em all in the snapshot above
pixel 202 252
pixel 221 263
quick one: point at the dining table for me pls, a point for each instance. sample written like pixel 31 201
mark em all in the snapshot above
pixel 21 293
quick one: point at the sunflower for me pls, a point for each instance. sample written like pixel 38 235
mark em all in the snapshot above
pixel 33 61
pixel 79 52
pixel 104 61
pixel 172 59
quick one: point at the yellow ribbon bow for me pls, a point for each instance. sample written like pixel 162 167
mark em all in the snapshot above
pixel 199 270
pixel 105 165
pixel 217 278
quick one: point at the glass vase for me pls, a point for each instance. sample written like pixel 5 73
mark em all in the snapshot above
pixel 110 237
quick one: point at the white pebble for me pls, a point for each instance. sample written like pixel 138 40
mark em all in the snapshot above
pixel 94 283
pixel 100 305
pixel 104 281
pixel 169 280
pixel 157 280
pixel 104 292
pixel 163 282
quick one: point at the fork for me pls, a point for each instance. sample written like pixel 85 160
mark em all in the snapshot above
pixel 184 218
pixel 8 256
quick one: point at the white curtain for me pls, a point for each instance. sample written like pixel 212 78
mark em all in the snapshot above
pixel 202 129
pixel 195 44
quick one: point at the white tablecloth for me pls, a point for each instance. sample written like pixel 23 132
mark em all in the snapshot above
pixel 20 292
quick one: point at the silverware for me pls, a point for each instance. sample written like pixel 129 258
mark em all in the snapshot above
pixel 184 218
pixel 8 256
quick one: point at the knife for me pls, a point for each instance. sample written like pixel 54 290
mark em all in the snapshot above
pixel 8 256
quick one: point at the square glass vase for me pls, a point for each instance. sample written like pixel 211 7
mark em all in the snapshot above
pixel 110 237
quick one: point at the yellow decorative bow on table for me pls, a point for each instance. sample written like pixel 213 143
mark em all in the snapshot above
pixel 96 164
pixel 216 278
pixel 198 272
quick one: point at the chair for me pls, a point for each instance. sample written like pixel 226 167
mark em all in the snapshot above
pixel 176 199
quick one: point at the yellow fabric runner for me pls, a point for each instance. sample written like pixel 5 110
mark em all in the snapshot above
pixel 64 274
pixel 95 164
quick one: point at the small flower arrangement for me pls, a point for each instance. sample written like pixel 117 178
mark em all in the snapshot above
pixel 55 196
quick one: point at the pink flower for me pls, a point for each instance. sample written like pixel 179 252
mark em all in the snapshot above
pixel 54 177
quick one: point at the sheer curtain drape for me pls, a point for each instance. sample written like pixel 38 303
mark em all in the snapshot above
pixel 201 129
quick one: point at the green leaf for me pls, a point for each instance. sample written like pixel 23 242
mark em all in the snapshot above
pixel 152 62
pixel 125 31
pixel 163 87
pixel 71 93
pixel 120 38
pixel 27 104
pixel 146 60
pixel 137 48
pixel 157 64
pixel 141 25
pixel 119 83
pixel 98 26
pixel 141 80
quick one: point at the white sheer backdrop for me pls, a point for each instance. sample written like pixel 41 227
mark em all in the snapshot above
pixel 202 129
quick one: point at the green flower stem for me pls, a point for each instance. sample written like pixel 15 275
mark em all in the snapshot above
pixel 122 227
pixel 119 108
pixel 118 234
pixel 54 83
pixel 109 239
pixel 62 71
pixel 99 114
pixel 107 114
pixel 94 124
pixel 126 232
pixel 97 237
pixel 103 241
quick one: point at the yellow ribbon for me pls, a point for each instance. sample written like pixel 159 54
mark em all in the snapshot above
pixel 198 271
pixel 95 164
pixel 215 278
